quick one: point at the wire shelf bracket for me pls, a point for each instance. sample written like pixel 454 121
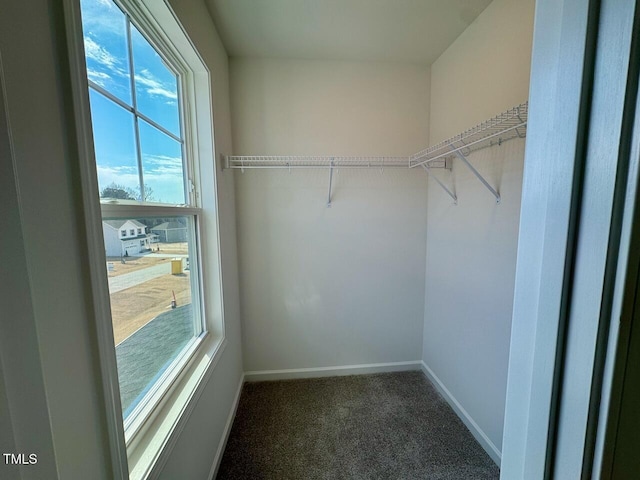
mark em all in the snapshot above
pixel 330 184
pixel 442 185
pixel 464 159
pixel 495 131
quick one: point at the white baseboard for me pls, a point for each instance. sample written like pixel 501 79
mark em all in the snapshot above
pixel 227 430
pixel 473 427
pixel 262 375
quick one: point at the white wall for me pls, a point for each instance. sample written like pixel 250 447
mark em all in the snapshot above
pixel 340 286
pixel 485 71
pixel 471 247
pixel 48 342
pixel 287 107
pixel 24 420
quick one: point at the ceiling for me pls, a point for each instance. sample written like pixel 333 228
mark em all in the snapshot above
pixel 367 30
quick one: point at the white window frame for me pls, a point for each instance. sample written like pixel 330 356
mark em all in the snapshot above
pixel 140 450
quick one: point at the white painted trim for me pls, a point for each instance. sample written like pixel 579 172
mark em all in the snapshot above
pixel 227 430
pixel 181 421
pixel 262 375
pixel 470 423
pixel 95 253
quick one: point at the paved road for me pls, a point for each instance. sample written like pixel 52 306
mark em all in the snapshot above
pixel 128 280
pixel 162 255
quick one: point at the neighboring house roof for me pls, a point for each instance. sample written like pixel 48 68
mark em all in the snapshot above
pixel 168 226
pixel 119 223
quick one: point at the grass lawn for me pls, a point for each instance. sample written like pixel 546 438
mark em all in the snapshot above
pixel 146 354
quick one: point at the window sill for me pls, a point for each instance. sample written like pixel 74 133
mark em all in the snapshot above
pixel 149 452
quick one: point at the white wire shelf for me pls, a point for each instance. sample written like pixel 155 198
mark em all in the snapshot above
pixel 495 131
pixel 289 162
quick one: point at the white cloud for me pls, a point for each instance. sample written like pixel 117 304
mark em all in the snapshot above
pixel 103 25
pixel 165 181
pixel 124 169
pixel 102 16
pixel 101 78
pixel 106 69
pixel 163 166
pixel 100 54
pixel 156 167
pixel 155 86
pixel 164 160
pixel 127 176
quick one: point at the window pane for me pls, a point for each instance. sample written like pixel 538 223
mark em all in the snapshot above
pixel 152 291
pixel 162 166
pixel 114 144
pixel 105 46
pixel 156 85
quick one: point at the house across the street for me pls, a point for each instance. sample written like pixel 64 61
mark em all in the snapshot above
pixel 126 237
pixel 170 232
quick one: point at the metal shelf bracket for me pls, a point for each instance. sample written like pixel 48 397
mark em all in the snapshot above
pixel 330 183
pixel 444 187
pixel 493 191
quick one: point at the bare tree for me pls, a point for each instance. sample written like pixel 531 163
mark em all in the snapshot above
pixel 121 192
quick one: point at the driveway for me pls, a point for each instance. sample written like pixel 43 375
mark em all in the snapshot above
pixel 132 279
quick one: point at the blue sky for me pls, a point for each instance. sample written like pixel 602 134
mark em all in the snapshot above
pixel 156 94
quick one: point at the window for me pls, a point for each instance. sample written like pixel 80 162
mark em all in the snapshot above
pixel 136 115
pixel 136 109
pixel 150 105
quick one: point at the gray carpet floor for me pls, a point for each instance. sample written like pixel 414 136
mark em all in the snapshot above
pixel 383 426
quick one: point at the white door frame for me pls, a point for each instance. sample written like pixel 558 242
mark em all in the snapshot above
pixel 579 184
